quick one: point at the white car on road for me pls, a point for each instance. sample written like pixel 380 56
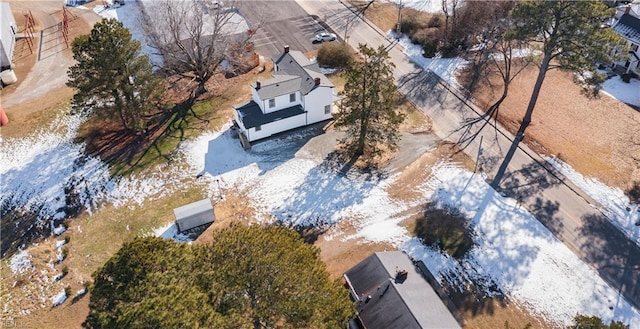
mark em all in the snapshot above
pixel 324 36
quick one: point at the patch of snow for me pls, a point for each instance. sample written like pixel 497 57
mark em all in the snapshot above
pixel 428 6
pixel 328 70
pixel 613 200
pixel 59 298
pixel 21 262
pixel 625 92
pixel 60 243
pixel 131 17
pixel 170 232
pixel 59 257
pixel 59 230
pixel 38 168
pixel 81 292
pixel 445 68
pixel 57 277
pixel 514 253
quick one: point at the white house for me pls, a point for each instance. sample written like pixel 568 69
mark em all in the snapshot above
pixel 296 96
pixel 628 26
pixel 8 30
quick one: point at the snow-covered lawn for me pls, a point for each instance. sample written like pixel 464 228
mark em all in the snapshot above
pixel 514 253
pixel 37 169
pixel 622 91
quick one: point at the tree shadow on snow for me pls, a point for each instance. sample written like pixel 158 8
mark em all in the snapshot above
pixel 615 257
pixel 525 186
pixel 328 189
pixel 225 154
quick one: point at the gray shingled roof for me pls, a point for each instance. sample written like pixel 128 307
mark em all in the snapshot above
pixel 278 85
pixel 295 63
pixel 252 116
pixel 412 303
pixel 629 27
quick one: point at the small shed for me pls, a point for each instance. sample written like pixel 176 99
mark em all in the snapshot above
pixel 194 214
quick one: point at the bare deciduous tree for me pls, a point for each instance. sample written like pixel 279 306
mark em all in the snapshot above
pixel 194 36
pixel 500 54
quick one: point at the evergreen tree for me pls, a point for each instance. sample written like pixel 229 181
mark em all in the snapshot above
pixel 571 37
pixel 594 322
pixel 368 109
pixel 148 284
pixel 248 277
pixel 111 77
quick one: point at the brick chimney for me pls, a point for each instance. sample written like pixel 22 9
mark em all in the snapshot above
pixel 286 49
pixel 627 9
pixel 316 81
pixel 258 85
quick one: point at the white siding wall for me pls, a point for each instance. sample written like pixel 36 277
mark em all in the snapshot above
pixel 315 102
pixel 238 120
pixel 256 98
pixel 634 65
pixel 276 127
pixel 282 102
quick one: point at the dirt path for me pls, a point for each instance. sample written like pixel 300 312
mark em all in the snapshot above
pixel 42 74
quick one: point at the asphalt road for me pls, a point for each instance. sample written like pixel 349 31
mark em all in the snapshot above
pixel 294 26
pixel 564 209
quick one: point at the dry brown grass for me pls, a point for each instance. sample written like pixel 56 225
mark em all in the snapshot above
pixel 592 135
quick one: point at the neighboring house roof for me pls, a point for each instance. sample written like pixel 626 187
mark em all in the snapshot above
pixel 252 116
pixel 278 85
pixel 295 63
pixel 396 303
pixel 628 26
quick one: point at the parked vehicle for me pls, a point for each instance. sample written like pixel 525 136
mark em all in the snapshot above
pixel 324 36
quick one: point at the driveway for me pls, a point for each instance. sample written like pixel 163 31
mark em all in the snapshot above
pixel 294 27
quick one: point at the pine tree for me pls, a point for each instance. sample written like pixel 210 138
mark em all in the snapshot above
pixel 111 77
pixel 274 278
pixel 571 37
pixel 594 322
pixel 248 277
pixel 368 110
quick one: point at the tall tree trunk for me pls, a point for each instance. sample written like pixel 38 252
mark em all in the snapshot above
pixel 254 305
pixel 119 105
pixel 525 122
pixel 363 118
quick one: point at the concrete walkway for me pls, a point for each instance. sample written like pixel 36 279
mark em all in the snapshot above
pixel 563 208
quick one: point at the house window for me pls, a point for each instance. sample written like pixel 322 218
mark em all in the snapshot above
pixel 292 97
pixel 634 47
pixel 327 109
pixel 272 103
pixel 258 128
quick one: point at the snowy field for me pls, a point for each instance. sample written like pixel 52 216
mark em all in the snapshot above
pixel 622 91
pixel 37 169
pixel 514 252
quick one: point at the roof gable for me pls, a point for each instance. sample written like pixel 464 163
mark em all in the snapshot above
pixel 411 302
pixel 295 63
pixel 277 86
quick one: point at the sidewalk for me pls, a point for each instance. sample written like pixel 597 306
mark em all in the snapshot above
pixel 563 208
